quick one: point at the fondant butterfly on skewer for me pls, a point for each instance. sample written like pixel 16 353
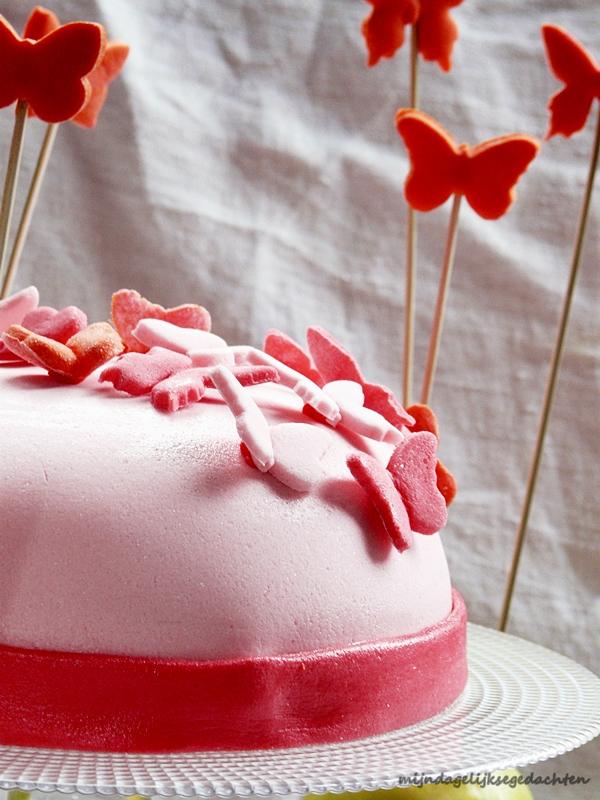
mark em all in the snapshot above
pixel 580 72
pixel 40 23
pixel 485 174
pixel 383 29
pixel 49 75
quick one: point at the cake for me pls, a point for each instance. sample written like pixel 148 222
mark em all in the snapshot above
pixel 177 576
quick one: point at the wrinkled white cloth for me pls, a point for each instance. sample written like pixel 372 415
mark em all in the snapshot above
pixel 248 160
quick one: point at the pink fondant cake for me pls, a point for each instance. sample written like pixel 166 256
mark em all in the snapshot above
pixel 166 588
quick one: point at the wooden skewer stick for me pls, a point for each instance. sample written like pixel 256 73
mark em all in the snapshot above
pixel 411 242
pixel 29 207
pixel 440 306
pixel 552 380
pixel 10 181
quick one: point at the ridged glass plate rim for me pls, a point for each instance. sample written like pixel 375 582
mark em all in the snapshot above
pixel 523 704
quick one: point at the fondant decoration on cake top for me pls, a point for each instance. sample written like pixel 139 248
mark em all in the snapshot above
pixel 14 308
pixel 334 362
pixel 285 349
pixel 426 420
pixel 160 333
pixel 357 418
pixel 12 311
pixel 485 174
pixel 51 324
pixel 436 31
pixel 446 482
pixel 379 486
pixel 251 423
pixel 179 390
pixel 189 386
pixel 413 468
pixel 292 452
pixel 306 389
pixel 71 362
pixel 300 454
pixel 55 324
pixel 40 23
pixel 570 63
pixel 129 307
pixel 138 373
pixel 50 74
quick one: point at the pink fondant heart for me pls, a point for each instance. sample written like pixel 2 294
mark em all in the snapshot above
pixel 381 399
pixel 280 346
pixel 379 486
pixel 14 308
pixel 413 469
pixel 129 307
pixel 333 361
pixel 138 373
pixel 300 451
pixel 57 325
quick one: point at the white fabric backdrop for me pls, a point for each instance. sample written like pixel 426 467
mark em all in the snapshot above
pixel 247 160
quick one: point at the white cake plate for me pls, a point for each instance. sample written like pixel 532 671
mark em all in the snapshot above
pixel 522 704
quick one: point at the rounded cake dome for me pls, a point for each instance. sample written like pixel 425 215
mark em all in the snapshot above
pixel 152 569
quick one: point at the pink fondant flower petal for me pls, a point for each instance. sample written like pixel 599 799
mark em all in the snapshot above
pixel 413 469
pixel 333 362
pixel 381 399
pixel 284 349
pixel 138 373
pixel 14 308
pixel 379 486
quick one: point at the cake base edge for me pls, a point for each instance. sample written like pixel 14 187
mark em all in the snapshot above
pixel 95 702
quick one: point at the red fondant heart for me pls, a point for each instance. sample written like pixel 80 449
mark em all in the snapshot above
pixel 82 354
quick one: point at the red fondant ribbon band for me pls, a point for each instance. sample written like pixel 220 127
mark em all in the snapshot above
pixel 125 704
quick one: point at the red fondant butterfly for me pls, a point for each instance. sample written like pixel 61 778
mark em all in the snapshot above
pixel 41 22
pixel 49 74
pixel 383 29
pixel 486 174
pixel 437 31
pixel 573 65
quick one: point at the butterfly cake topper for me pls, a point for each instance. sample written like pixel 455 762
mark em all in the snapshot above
pixel 571 63
pixel 56 73
pixel 42 22
pixel 485 174
pixel 436 29
pixel 50 74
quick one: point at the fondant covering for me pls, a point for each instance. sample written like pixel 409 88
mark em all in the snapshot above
pixel 127 531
